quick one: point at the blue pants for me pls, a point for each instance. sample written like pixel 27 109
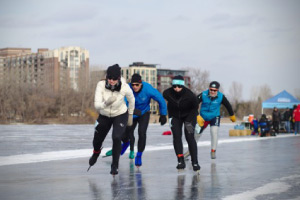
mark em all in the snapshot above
pixel 287 126
pixel 297 127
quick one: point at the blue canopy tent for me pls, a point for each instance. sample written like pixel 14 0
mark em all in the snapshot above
pixel 281 100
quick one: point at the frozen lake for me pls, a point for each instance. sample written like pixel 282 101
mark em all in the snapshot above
pixel 50 162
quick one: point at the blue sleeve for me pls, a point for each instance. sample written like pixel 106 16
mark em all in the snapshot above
pixel 157 96
pixel 125 99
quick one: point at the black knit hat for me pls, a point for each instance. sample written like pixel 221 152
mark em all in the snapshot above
pixel 113 71
pixel 136 78
pixel 178 77
pixel 214 84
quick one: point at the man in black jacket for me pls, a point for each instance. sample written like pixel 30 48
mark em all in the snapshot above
pixel 276 120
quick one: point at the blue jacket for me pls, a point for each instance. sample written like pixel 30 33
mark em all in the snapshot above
pixel 144 96
pixel 210 108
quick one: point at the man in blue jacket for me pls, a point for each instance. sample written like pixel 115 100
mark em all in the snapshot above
pixel 143 93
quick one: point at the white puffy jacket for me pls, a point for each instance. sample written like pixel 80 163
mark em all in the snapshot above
pixel 119 106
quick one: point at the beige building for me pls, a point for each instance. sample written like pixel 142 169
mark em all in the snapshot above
pixel 65 67
pixel 148 72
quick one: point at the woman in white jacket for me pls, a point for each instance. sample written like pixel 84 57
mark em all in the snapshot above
pixel 109 101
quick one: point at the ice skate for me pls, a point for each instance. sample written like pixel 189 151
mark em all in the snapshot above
pixel 181 164
pixel 186 155
pixel 138 159
pixel 93 158
pixel 114 170
pixel 108 153
pixel 196 167
pixel 131 155
pixel 124 147
pixel 213 154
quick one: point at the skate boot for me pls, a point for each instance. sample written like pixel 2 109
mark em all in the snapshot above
pixel 108 153
pixel 196 167
pixel 131 155
pixel 186 155
pixel 114 170
pixel 124 147
pixel 181 163
pixel 93 158
pixel 138 159
pixel 213 154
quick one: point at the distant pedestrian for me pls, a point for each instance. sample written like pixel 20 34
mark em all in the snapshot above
pixel 276 120
pixel 264 126
pixel 292 119
pixel 296 117
pixel 286 119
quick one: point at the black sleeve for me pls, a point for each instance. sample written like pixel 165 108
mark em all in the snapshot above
pixel 199 98
pixel 194 112
pixel 165 94
pixel 227 105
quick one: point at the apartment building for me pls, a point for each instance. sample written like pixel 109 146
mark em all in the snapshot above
pixel 53 70
pixel 148 72
pixel 165 77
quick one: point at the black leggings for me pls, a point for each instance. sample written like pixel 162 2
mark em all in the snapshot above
pixel 143 122
pixel 104 124
pixel 189 136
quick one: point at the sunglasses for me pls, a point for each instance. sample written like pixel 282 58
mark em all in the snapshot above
pixel 135 84
pixel 213 90
pixel 175 86
pixel 112 78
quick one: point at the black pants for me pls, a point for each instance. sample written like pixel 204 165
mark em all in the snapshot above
pixel 276 126
pixel 143 122
pixel 189 136
pixel 104 124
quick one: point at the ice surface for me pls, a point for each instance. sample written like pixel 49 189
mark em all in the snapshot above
pixel 50 162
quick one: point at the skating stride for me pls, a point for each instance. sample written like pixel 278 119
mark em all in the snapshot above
pixel 182 110
pixel 109 101
pixel 143 93
pixel 211 100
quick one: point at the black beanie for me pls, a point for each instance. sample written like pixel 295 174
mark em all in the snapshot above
pixel 113 71
pixel 178 77
pixel 136 78
pixel 214 84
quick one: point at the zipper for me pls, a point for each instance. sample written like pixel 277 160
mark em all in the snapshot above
pixel 178 102
pixel 110 108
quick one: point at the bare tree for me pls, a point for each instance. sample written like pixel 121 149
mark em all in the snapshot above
pixel 258 95
pixel 199 79
pixel 234 96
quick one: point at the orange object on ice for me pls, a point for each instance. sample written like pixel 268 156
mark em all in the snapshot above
pixel 167 133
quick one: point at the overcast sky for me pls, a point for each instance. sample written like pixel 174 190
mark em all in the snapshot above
pixel 252 42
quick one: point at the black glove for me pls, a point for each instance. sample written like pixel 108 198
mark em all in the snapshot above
pixel 137 112
pixel 162 119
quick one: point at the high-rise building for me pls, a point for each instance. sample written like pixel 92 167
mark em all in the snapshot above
pixel 65 67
